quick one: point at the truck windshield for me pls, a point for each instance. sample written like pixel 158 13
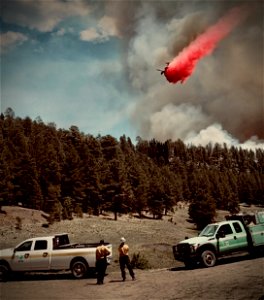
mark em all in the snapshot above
pixel 209 230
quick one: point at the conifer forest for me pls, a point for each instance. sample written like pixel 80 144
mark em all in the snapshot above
pixel 67 171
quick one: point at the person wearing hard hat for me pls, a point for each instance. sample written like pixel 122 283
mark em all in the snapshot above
pixel 124 260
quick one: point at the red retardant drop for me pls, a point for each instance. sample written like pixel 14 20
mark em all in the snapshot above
pixel 183 65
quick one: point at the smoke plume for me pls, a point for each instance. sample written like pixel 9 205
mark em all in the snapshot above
pixel 183 65
pixel 223 99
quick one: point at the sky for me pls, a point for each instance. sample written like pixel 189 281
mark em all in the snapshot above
pixel 92 64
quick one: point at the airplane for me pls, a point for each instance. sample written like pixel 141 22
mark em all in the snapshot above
pixel 165 69
pixel 161 71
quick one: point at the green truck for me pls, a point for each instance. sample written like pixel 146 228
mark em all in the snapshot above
pixel 238 233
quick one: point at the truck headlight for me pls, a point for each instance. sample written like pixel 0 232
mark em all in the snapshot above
pixel 194 248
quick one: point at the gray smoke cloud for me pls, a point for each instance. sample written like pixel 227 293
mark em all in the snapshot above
pixel 223 99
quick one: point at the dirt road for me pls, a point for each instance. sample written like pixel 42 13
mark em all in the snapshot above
pixel 233 279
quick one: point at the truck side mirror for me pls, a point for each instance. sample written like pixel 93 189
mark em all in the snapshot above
pixel 220 234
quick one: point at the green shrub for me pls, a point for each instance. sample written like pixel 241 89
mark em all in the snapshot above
pixel 67 208
pixel 139 261
pixel 78 211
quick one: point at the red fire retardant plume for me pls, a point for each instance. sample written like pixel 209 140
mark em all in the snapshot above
pixel 183 65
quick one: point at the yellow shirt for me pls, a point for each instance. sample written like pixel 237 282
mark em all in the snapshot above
pixel 123 250
pixel 101 252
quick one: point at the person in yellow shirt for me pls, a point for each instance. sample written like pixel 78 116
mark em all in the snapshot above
pixel 124 260
pixel 101 262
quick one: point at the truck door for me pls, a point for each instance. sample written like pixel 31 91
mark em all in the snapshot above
pixel 21 258
pixel 240 236
pixel 228 242
pixel 257 234
pixel 40 255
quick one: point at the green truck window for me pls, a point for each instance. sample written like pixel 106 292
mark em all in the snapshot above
pixel 237 227
pixel 226 229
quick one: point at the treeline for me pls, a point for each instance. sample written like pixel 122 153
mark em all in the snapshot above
pixel 64 171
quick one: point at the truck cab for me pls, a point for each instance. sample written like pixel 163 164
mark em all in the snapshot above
pixel 35 253
pixel 226 236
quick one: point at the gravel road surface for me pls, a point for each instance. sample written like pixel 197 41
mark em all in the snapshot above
pixel 232 279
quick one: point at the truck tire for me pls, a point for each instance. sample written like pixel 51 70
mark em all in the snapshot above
pixel 208 258
pixel 79 268
pixel 4 272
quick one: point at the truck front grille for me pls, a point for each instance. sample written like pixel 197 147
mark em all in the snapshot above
pixel 181 251
pixel 184 248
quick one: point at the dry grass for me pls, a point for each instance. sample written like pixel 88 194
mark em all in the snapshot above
pixel 151 238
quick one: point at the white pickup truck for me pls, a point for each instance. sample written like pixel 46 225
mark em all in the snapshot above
pixel 51 253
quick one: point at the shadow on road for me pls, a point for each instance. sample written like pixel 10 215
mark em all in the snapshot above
pixel 116 280
pixel 46 276
pixel 223 261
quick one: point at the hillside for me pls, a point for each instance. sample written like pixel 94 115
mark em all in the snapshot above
pixel 66 171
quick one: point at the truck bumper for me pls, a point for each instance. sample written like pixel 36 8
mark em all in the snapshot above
pixel 183 252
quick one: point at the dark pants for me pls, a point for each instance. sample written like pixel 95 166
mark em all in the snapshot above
pixel 101 265
pixel 124 262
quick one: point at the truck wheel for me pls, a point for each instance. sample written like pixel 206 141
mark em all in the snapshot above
pixel 208 258
pixel 4 272
pixel 78 269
